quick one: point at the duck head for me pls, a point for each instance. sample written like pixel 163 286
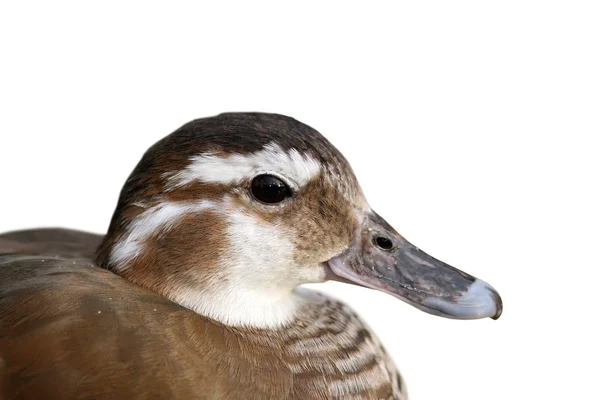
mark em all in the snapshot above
pixel 229 214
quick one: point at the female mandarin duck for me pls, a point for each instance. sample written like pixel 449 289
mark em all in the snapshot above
pixel 193 292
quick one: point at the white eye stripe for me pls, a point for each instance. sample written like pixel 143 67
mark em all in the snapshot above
pixel 161 216
pixel 210 168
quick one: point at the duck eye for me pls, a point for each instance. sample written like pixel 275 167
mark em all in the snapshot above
pixel 269 189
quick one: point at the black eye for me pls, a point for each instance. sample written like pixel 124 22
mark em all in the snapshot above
pixel 270 189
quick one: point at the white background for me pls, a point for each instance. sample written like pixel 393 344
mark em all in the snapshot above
pixel 473 127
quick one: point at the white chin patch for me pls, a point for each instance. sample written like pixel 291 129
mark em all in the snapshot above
pixel 233 168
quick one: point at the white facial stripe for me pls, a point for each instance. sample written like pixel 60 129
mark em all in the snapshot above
pixel 161 216
pixel 210 168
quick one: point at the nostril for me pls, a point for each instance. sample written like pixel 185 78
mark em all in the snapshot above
pixel 383 243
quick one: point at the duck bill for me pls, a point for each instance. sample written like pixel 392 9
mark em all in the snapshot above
pixel 379 258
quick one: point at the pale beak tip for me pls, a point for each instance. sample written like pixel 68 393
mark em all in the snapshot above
pixel 479 301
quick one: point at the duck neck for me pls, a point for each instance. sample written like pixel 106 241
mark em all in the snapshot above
pixel 226 301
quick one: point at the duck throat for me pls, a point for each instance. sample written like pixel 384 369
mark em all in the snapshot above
pixel 221 292
pixel 242 307
pixel 227 298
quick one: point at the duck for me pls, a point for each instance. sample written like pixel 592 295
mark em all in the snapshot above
pixel 195 291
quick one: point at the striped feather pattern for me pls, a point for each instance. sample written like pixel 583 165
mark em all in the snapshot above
pixel 333 354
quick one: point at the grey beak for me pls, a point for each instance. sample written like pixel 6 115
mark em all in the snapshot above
pixel 381 259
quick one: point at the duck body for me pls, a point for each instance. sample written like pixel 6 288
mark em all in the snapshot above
pixel 109 338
